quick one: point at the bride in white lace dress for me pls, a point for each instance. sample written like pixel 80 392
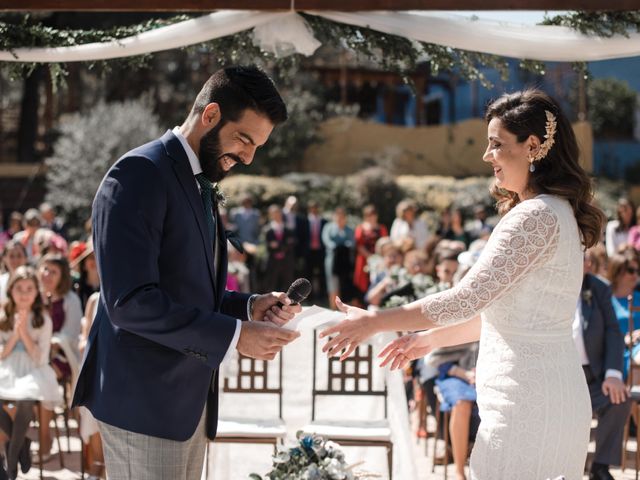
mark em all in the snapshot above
pixel 532 394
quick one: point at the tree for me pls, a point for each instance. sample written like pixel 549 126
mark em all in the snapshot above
pixel 611 108
pixel 88 145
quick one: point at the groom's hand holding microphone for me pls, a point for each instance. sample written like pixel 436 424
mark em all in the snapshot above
pixel 264 337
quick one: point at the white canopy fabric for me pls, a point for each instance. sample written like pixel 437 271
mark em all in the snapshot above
pixel 533 42
pixel 283 32
pixel 182 34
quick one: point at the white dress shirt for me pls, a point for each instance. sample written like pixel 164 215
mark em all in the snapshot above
pixel 196 168
pixel 578 339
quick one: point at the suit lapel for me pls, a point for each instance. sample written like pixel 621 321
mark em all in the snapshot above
pixel 187 181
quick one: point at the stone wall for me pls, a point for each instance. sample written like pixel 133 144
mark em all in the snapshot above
pixel 351 144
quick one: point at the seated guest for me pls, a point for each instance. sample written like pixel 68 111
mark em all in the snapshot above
pixel 89 431
pixel 599 261
pixel 623 275
pixel 51 221
pixel 63 306
pixel 25 374
pixel 386 279
pixel 15 225
pixel 413 279
pixel 601 348
pixel 456 383
pixel 407 230
pixel 452 226
pixel 446 267
pixel 13 256
pixel 237 271
pixel 617 230
pixel 84 271
pixel 31 223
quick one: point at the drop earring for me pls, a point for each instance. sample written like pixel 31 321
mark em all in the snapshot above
pixel 532 167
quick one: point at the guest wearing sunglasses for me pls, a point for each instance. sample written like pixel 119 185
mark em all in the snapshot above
pixel 623 275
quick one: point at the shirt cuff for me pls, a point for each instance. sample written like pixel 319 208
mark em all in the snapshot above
pixel 234 342
pixel 613 373
pixel 250 303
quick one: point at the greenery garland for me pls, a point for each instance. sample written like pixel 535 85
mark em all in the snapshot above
pixel 598 23
pixel 388 52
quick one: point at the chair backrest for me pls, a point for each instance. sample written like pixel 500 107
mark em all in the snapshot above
pixel 256 377
pixel 352 377
pixel 632 365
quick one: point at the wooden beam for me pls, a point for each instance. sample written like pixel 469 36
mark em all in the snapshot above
pixel 338 5
pixel 21 170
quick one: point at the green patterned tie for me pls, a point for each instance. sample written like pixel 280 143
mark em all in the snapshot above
pixel 206 193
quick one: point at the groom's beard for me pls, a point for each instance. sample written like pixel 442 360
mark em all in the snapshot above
pixel 210 156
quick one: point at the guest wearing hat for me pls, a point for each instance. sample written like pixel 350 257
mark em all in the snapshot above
pixel 84 271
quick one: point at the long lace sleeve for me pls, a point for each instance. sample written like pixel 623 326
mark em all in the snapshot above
pixel 525 239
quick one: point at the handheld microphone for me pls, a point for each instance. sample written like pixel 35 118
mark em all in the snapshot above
pixel 298 291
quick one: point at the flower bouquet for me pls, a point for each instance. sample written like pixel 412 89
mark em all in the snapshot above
pixel 313 458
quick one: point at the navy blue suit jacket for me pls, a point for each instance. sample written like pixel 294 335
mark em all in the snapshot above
pixel 603 340
pixel 165 321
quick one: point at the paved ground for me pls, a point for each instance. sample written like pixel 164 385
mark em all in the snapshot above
pixel 425 462
pixel 53 471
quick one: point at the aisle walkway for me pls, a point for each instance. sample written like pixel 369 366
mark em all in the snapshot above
pixel 259 456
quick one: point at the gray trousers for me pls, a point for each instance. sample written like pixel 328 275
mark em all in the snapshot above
pixel 611 421
pixel 133 456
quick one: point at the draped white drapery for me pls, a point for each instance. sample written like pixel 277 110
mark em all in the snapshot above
pixel 284 32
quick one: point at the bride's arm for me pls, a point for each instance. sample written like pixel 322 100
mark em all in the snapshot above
pixel 457 334
pixel 401 351
pixel 525 239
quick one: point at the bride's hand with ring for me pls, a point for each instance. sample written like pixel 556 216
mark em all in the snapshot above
pixel 349 333
pixel 400 352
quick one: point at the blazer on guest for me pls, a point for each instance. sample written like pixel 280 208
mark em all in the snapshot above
pixel 164 320
pixel 603 340
pixel 305 237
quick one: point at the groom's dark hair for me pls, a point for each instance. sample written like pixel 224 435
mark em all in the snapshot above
pixel 239 88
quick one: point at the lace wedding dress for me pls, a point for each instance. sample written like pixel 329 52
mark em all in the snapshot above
pixel 533 399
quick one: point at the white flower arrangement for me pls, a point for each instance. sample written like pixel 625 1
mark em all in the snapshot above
pixel 313 458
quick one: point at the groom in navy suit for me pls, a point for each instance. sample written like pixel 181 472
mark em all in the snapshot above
pixel 165 322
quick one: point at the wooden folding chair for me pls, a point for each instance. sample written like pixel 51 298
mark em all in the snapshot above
pixel 356 372
pixel 252 378
pixel 635 393
pixel 442 422
pixel 39 408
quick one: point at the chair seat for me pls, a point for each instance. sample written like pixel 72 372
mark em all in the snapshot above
pixel 350 429
pixel 635 393
pixel 251 428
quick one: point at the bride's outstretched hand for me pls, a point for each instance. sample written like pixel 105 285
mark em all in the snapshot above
pixel 401 351
pixel 349 333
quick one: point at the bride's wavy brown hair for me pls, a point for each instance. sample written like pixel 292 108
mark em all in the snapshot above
pixel 559 173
